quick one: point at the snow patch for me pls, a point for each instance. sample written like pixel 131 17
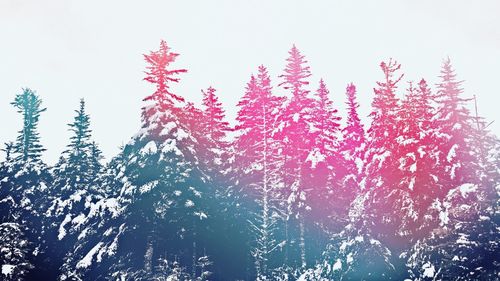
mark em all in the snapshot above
pixel 8 269
pixel 148 186
pixel 429 270
pixel 149 148
pixel 168 128
pixel 171 146
pixel 315 157
pixel 87 260
pixel 381 158
pixel 467 188
pixel 413 167
pixel 337 265
pixel 350 259
pixel 452 153
pixel 62 230
pixel 181 134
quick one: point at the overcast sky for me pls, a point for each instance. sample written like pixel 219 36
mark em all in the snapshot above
pixel 66 50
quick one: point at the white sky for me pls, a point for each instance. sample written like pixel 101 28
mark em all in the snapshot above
pixel 66 50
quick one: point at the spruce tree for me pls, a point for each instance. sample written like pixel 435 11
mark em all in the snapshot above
pixel 166 204
pixel 325 160
pixel 27 146
pixel 455 131
pixel 258 169
pixel 78 184
pixel 214 129
pixel 24 189
pixel 352 147
pixel 294 132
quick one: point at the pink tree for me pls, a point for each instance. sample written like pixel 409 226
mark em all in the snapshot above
pixel 258 164
pixel 158 73
pixel 294 131
pixel 324 158
pixel 455 125
pixel 351 150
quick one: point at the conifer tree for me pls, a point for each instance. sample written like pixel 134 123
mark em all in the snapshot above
pixel 78 180
pixel 214 129
pixel 379 197
pixel 27 146
pixel 325 160
pixel 351 149
pixel 166 205
pixel 353 133
pixel 23 189
pixel 294 132
pixel 258 161
pixel 455 127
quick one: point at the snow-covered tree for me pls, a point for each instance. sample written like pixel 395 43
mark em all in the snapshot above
pixel 27 145
pixel 24 182
pixel 465 244
pixel 258 168
pixel 455 131
pixel 294 130
pixel 352 148
pixel 214 129
pixel 326 162
pixel 77 185
pixel 14 252
pixel 166 205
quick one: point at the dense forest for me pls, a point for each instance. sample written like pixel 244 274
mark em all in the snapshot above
pixel 291 192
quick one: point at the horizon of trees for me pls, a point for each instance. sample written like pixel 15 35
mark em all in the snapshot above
pixel 288 193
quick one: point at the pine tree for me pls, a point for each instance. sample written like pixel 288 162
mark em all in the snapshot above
pixel 258 172
pixel 383 130
pixel 161 76
pixel 23 190
pixel 27 146
pixel 75 169
pixel 326 167
pixel 455 131
pixel 379 198
pixel 354 139
pixel 166 205
pixel 78 184
pixel 214 129
pixel 352 147
pixel 15 248
pixel 294 132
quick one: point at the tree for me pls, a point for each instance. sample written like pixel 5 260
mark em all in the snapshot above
pixel 258 168
pixel 78 184
pixel 14 248
pixel 160 75
pixel 214 130
pixel 23 191
pixel 27 146
pixel 294 132
pixel 455 131
pixel 385 207
pixel 352 148
pixel 166 205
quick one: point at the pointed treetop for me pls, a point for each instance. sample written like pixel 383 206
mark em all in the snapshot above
pixel 264 79
pixel 214 114
pixel 296 72
pixel 27 146
pixel 158 73
pixel 322 90
pixel 352 103
pixel 81 131
pixel 449 86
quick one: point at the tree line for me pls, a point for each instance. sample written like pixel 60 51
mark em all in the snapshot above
pixel 288 193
